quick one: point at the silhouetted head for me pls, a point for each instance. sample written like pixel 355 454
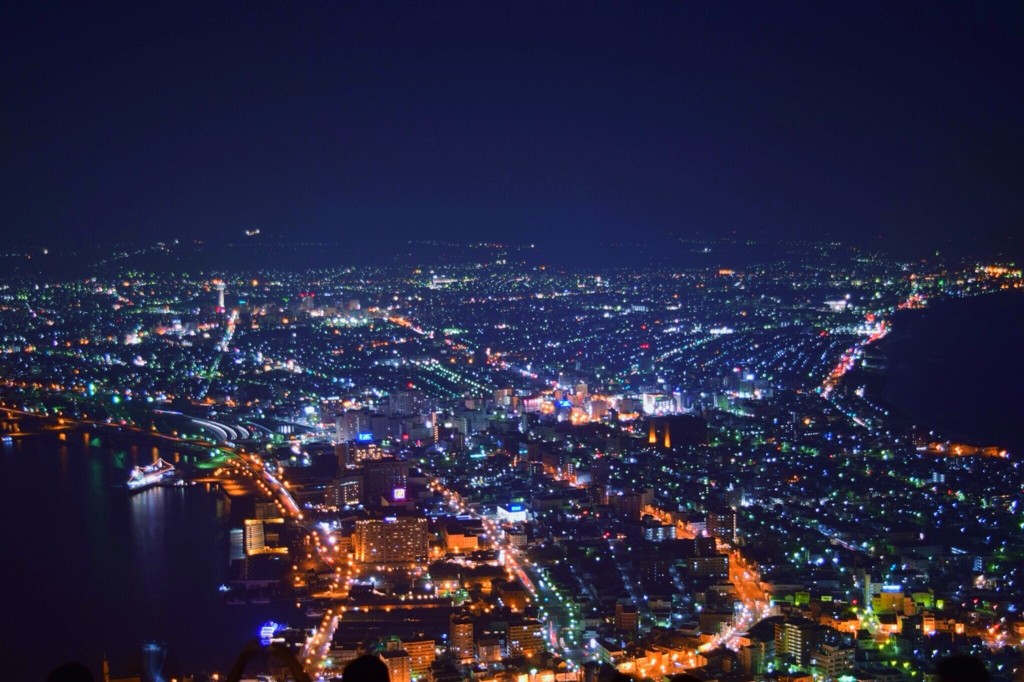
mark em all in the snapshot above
pixel 366 669
pixel 70 672
pixel 961 669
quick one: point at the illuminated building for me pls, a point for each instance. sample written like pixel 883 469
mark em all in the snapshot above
pixel 261 540
pixel 890 600
pixel 525 638
pixel 255 542
pixel 219 286
pixel 351 425
pixel 516 537
pixel 390 540
pixel 399 665
pixel 832 662
pixel 796 638
pixel 722 524
pixel 714 566
pixel 462 638
pixel 352 453
pixel 421 653
pixel 385 479
pixel 459 540
pixel 657 532
pixel 347 491
pixel 512 512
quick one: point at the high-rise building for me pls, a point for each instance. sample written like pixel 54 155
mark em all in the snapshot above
pixel 399 665
pixel 390 540
pixel 219 286
pixel 796 638
pixel 722 524
pixel 263 536
pixel 462 638
pixel 385 478
pixel 352 425
pixel 255 541
pixel 422 653
pixel 349 490
pixel 408 403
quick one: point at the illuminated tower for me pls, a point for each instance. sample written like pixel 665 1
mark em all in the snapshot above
pixel 668 438
pixel 652 437
pixel 219 286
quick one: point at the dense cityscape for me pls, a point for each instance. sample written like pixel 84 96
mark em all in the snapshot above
pixel 532 341
pixel 494 469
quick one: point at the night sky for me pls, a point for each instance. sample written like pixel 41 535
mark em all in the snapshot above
pixel 891 124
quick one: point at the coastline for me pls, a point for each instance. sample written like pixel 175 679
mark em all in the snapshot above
pixel 149 552
pixel 955 369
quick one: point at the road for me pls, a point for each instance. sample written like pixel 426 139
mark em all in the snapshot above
pixel 553 609
pixel 754 604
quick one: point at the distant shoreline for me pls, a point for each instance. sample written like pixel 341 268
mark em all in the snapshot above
pixel 955 368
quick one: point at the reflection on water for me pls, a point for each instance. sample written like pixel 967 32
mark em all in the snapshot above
pixel 93 570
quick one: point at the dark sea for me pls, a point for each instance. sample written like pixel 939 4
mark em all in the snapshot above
pixel 958 368
pixel 88 569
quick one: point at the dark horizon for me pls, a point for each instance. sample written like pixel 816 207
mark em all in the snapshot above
pixel 273 253
pixel 892 127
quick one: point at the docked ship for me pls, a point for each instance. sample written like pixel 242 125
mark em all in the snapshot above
pixel 144 477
